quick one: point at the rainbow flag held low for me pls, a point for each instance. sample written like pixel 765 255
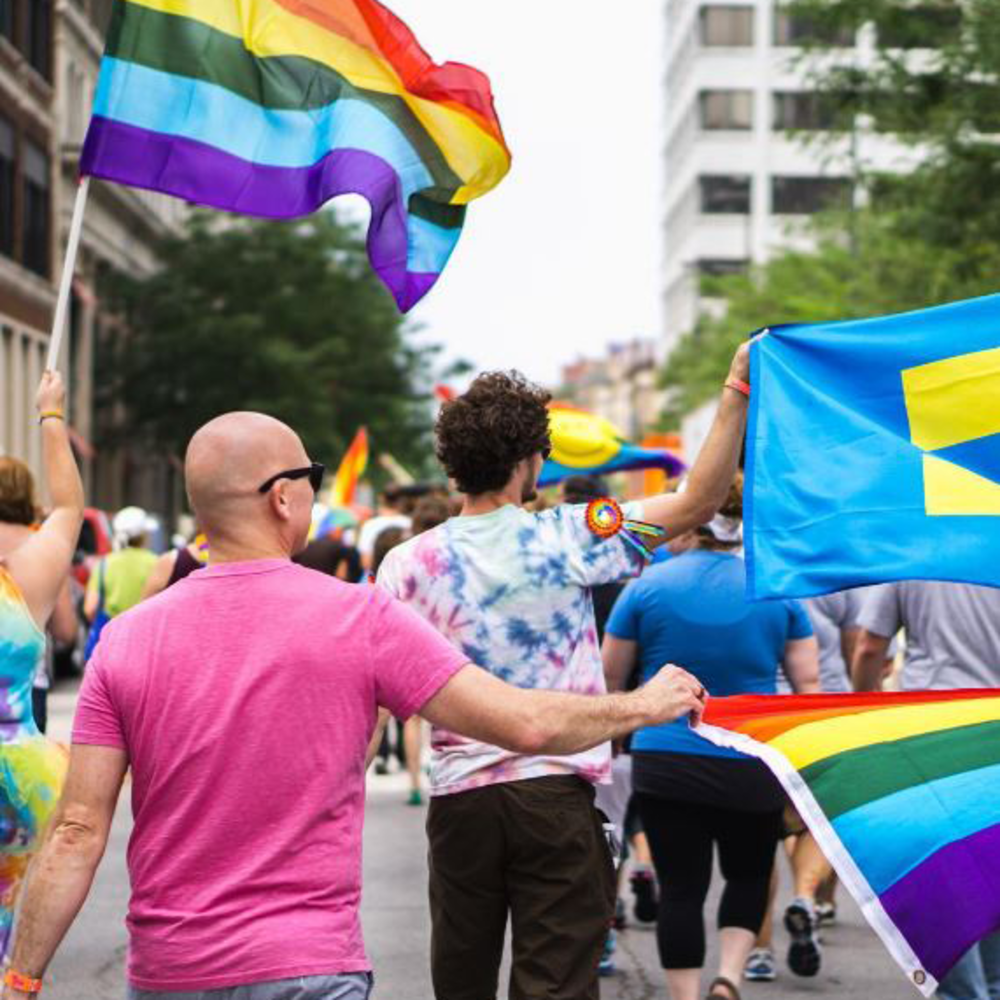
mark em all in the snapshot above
pixel 901 793
pixel 273 107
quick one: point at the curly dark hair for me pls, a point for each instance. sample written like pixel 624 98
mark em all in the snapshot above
pixel 482 435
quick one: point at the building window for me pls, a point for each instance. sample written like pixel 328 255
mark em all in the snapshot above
pixel 726 109
pixel 804 111
pixel 727 26
pixel 39 36
pixel 805 195
pixel 7 19
pixel 37 213
pixel 925 27
pixel 721 267
pixel 725 195
pixel 6 188
pixel 801 29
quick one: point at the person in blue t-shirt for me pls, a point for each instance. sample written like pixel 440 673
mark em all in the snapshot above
pixel 692 795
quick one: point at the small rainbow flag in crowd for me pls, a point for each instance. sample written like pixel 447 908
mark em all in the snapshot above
pixel 272 108
pixel 901 793
pixel 349 472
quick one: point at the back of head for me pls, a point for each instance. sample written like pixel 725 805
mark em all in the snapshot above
pixel 725 531
pixel 17 493
pixel 484 433
pixel 228 461
pixel 583 489
pixel 429 513
pixel 131 525
pixel 387 540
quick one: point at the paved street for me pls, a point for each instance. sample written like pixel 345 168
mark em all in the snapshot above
pixel 90 965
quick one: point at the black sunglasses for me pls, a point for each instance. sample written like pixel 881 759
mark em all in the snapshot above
pixel 314 473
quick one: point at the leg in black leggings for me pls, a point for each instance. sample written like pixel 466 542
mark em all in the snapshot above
pixel 680 839
pixel 746 857
pixel 682 836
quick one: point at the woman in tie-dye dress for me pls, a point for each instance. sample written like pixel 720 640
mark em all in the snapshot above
pixel 31 767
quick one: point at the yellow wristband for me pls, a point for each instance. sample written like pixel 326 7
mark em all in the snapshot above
pixel 51 415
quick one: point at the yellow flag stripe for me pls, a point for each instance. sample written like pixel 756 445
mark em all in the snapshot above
pixel 816 741
pixel 268 29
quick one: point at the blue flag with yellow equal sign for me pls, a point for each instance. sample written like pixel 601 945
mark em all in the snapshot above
pixel 874 452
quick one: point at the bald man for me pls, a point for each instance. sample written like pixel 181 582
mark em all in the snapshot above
pixel 244 699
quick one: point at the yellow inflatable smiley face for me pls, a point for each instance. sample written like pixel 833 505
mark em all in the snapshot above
pixel 582 440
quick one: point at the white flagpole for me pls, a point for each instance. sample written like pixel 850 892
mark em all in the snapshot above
pixel 69 266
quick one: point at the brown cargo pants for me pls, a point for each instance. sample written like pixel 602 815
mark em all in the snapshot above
pixel 534 849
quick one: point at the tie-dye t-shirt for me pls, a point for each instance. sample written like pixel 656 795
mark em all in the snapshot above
pixel 511 589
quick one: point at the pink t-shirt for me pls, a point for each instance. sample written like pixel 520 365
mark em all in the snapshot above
pixel 245 697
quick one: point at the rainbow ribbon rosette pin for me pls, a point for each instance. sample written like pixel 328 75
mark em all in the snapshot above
pixel 605 519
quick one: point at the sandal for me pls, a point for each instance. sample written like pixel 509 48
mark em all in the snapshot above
pixel 732 994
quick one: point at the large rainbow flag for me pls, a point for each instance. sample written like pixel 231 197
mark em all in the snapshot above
pixel 273 107
pixel 902 792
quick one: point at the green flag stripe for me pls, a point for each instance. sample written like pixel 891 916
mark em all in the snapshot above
pixel 855 778
pixel 184 47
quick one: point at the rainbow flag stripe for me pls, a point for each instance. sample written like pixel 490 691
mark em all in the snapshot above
pixel 900 791
pixel 273 107
pixel 349 472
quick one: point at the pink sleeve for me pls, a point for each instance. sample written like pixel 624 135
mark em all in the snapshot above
pixel 97 721
pixel 410 660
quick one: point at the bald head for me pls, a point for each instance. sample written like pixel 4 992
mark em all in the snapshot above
pixel 226 463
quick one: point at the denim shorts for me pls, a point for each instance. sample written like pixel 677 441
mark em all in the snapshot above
pixel 352 986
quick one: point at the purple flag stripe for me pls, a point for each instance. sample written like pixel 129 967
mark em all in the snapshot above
pixel 951 901
pixel 208 176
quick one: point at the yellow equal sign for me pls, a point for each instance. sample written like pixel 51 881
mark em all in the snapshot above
pixel 953 402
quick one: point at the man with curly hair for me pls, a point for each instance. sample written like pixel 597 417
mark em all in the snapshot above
pixel 516 835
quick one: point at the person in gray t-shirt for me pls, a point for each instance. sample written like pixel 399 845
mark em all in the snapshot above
pixel 952 635
pixel 952 641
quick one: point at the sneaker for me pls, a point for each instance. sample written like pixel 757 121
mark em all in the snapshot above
pixel 381 767
pixel 415 799
pixel 826 914
pixel 761 966
pixel 804 953
pixel 620 921
pixel 647 904
pixel 606 966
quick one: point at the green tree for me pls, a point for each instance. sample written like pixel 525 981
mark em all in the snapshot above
pixel 284 318
pixel 916 239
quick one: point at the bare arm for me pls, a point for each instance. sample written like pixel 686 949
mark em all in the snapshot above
pixel 376 740
pixel 801 665
pixel 476 704
pixel 619 657
pixel 41 564
pixel 870 654
pixel 62 624
pixel 61 875
pixel 849 643
pixel 92 599
pixel 159 575
pixel 713 472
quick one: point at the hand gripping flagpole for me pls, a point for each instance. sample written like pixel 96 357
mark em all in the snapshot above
pixel 69 267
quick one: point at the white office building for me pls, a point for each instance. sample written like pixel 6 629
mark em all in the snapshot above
pixel 739 184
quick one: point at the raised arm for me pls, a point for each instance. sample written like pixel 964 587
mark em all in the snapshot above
pixel 41 564
pixel 62 873
pixel 712 474
pixel 476 704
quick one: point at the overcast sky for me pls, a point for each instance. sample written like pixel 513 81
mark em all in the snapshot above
pixel 563 257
